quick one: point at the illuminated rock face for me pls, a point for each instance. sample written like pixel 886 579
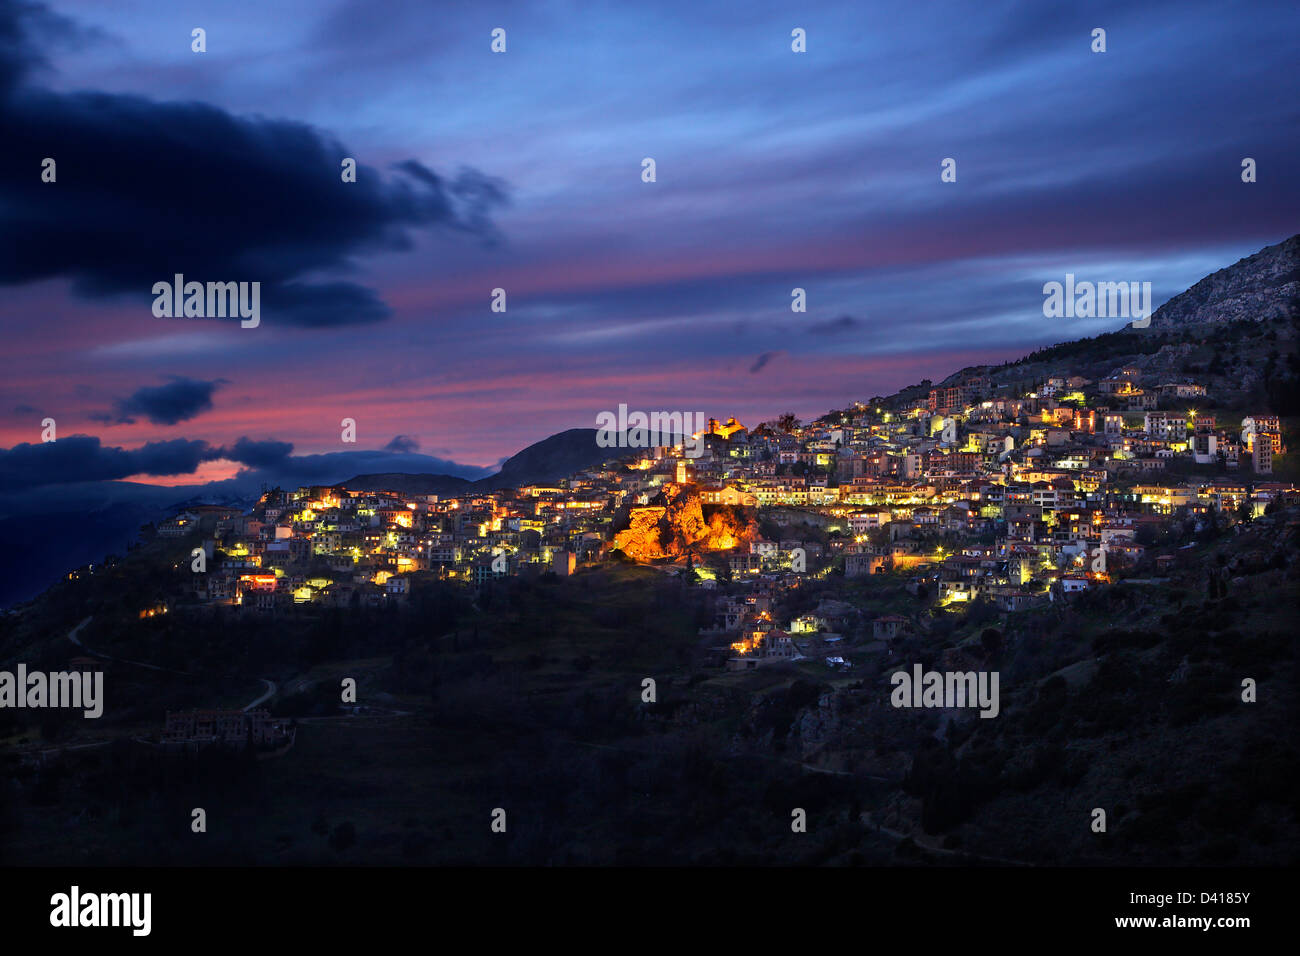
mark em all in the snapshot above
pixel 724 533
pixel 674 524
pixel 643 538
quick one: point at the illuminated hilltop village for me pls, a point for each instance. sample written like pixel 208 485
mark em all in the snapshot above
pixel 973 492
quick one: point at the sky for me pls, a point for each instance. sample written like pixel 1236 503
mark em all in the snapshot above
pixel 523 171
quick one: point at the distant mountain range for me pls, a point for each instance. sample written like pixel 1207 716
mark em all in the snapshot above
pixel 550 459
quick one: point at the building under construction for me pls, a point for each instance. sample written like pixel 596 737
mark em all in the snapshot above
pixel 234 729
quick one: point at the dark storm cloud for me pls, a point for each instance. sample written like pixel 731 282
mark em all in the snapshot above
pixel 256 454
pixel 177 401
pixel 82 458
pixel 325 304
pixel 146 190
pixel 476 196
pixel 761 362
pixel 403 443
pixel 22 25
pixel 845 323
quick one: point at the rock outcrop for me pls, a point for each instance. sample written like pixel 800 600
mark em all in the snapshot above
pixel 674 524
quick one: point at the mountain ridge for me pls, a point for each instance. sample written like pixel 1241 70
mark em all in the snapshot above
pixel 554 457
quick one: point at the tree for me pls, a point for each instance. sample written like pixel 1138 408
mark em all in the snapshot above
pixel 991 641
pixel 787 422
